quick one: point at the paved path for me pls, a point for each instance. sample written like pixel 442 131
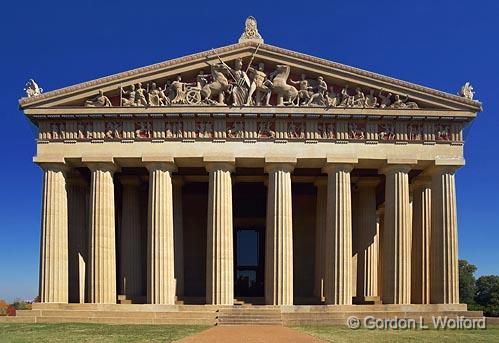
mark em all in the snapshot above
pixel 250 334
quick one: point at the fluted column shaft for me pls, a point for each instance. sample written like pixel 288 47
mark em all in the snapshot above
pixel 397 237
pixel 54 236
pixel 102 235
pixel 338 264
pixel 279 236
pixel 78 236
pixel 444 273
pixel 380 223
pixel 160 247
pixel 421 232
pixel 368 239
pixel 320 233
pixel 130 274
pixel 178 233
pixel 220 249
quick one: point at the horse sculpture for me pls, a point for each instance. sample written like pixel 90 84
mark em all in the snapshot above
pixel 218 86
pixel 286 94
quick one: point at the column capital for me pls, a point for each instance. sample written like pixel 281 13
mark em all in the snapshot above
pixel 335 167
pixel 130 180
pixel 219 162
pixel 442 169
pixel 54 166
pixel 103 166
pixel 367 182
pixel 163 166
pixel 285 167
pixel 221 165
pixel 394 168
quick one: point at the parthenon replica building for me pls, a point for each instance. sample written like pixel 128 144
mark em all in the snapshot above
pixel 249 174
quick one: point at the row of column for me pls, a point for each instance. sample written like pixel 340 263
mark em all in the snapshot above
pixel 403 237
pixel 394 245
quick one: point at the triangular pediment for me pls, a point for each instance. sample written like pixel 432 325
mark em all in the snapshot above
pixel 202 84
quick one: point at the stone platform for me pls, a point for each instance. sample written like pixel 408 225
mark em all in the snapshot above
pixel 229 315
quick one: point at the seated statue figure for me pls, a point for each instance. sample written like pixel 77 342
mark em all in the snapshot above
pixel 128 97
pixel 99 101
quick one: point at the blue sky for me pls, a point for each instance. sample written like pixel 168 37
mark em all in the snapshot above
pixel 435 43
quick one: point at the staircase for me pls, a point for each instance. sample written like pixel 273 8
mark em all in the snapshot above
pixel 249 315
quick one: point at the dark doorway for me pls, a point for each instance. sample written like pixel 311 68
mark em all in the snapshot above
pixel 249 248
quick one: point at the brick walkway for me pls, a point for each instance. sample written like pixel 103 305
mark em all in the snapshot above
pixel 250 334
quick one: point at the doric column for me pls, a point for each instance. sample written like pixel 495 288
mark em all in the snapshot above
pixel 178 233
pixel 160 246
pixel 279 236
pixel 102 236
pixel 320 234
pixel 338 263
pixel 380 223
pixel 77 189
pixel 220 249
pixel 397 236
pixel 54 235
pixel 368 238
pixel 421 232
pixel 130 274
pixel 444 259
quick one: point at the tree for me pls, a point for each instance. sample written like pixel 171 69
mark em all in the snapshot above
pixel 20 304
pixel 487 294
pixel 467 282
pixel 3 307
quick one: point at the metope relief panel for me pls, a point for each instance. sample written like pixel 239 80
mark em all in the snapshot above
pixel 295 130
pixel 143 129
pixel 443 132
pixel 113 130
pixel 386 131
pixel 266 129
pixel 326 130
pixel 204 129
pixel 356 131
pixel 235 129
pixel 174 129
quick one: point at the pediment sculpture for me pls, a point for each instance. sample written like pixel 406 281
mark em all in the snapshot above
pixel 32 89
pixel 237 86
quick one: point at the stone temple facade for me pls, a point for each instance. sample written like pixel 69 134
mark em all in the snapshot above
pixel 249 174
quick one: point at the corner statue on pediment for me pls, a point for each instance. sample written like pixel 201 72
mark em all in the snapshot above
pixel 466 91
pixel 250 31
pixel 99 101
pixel 31 88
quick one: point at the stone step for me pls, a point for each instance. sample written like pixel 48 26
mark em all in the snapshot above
pixel 126 314
pixel 247 318
pixel 249 321
pixel 127 307
pixel 15 319
pixel 125 320
pixel 466 314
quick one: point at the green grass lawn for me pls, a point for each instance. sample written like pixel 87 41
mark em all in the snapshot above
pixel 94 332
pixel 342 334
